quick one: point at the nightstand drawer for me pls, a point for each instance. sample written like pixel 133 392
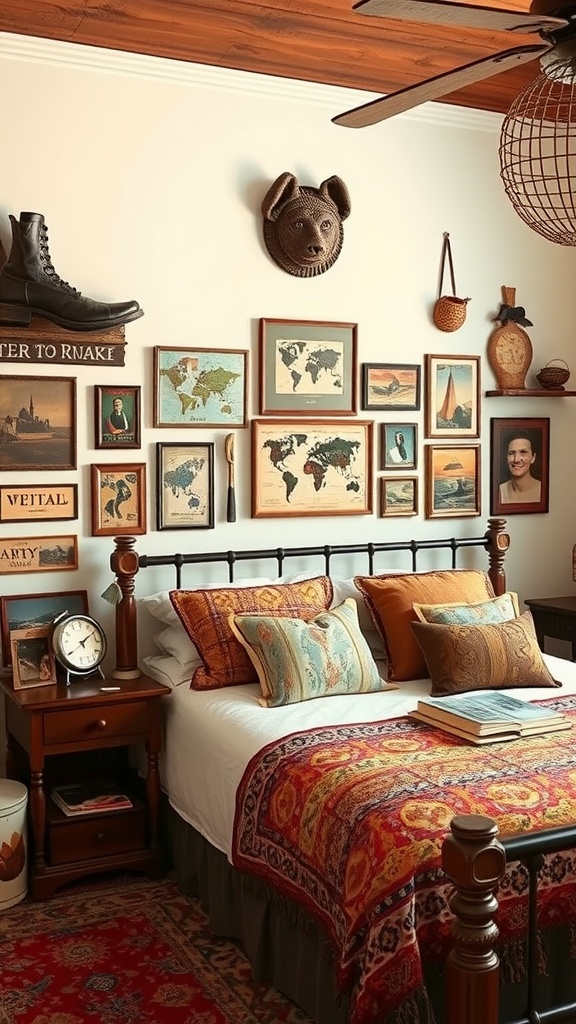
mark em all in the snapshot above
pixel 97 835
pixel 96 722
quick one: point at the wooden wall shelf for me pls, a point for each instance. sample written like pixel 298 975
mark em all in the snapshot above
pixel 531 393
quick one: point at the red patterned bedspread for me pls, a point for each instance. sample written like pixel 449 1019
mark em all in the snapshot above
pixel 349 822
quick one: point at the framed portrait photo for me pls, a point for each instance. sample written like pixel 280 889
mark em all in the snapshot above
pixel 307 368
pixel 519 465
pixel 33 662
pixel 311 467
pixel 116 416
pixel 452 481
pixel 200 387
pixel 37 423
pixel 399 446
pixel 185 486
pixel 390 386
pixel 399 496
pixel 452 406
pixel 23 611
pixel 118 499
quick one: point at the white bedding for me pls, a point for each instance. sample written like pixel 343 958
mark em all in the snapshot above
pixel 210 737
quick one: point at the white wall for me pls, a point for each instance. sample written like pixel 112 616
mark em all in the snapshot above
pixel 150 175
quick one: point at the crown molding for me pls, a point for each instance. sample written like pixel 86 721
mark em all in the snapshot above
pixel 136 65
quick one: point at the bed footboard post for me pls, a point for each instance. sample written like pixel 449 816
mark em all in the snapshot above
pixel 497 544
pixel 124 563
pixel 474 861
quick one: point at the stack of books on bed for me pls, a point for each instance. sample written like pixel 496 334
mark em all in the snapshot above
pixel 488 717
pixel 90 798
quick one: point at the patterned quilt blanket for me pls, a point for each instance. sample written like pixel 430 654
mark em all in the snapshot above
pixel 349 821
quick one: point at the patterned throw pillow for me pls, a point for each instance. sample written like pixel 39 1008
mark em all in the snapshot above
pixel 483 613
pixel 462 658
pixel 391 600
pixel 205 613
pixel 297 660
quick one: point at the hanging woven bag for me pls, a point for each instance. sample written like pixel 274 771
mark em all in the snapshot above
pixel 449 311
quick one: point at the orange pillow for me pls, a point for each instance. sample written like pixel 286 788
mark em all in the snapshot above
pixel 390 599
pixel 205 613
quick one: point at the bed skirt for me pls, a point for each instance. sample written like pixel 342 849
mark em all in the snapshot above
pixel 285 945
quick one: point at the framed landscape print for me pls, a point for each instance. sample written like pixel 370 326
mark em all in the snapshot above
pixel 519 465
pixel 390 386
pixel 32 658
pixel 118 499
pixel 452 407
pixel 452 481
pixel 399 496
pixel 26 610
pixel 311 467
pixel 399 446
pixel 307 368
pixel 38 503
pixel 37 423
pixel 116 416
pixel 185 486
pixel 200 387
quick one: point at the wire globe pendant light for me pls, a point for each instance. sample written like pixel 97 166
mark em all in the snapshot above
pixel 538 149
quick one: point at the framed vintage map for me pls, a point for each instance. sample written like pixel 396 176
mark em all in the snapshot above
pixel 185 485
pixel 307 368
pixel 311 467
pixel 200 387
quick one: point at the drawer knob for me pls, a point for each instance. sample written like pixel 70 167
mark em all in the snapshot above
pixel 101 723
pixel 101 837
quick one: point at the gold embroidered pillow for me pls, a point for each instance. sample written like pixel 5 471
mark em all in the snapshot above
pixel 205 613
pixel 483 613
pixel 391 599
pixel 495 657
pixel 297 660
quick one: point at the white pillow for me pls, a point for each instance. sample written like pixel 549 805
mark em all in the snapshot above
pixel 167 670
pixel 175 641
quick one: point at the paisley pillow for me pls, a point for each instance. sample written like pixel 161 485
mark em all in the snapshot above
pixel 495 657
pixel 297 660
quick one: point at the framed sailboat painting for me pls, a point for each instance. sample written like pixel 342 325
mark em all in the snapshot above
pixel 452 404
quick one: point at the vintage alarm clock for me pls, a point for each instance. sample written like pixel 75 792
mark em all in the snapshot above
pixel 79 644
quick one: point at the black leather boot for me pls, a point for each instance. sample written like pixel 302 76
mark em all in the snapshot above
pixel 30 285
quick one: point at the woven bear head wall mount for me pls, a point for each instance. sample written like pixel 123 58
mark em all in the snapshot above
pixel 303 225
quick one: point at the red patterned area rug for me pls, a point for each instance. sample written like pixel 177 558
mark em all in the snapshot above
pixel 132 953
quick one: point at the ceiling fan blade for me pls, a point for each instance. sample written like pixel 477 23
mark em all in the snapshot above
pixel 441 85
pixel 441 12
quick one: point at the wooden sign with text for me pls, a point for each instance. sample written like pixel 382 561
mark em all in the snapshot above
pixel 43 342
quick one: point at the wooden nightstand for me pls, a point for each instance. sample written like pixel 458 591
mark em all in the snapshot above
pixel 60 733
pixel 554 617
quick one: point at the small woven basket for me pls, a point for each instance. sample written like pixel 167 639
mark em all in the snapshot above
pixel 553 376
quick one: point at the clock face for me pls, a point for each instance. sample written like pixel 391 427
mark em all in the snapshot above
pixel 79 643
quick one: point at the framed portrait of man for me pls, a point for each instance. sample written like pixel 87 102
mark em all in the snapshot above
pixel 116 416
pixel 519 465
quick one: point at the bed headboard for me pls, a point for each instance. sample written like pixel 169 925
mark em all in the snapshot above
pixel 125 563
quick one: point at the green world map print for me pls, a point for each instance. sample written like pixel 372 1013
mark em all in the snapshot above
pixel 315 468
pixel 199 387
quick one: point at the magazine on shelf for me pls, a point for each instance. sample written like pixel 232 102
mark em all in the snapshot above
pixel 90 798
pixel 489 716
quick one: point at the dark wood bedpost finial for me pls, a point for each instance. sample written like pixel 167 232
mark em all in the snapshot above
pixel 475 862
pixel 124 563
pixel 497 544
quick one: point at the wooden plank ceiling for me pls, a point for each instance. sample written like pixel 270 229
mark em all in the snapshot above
pixel 312 40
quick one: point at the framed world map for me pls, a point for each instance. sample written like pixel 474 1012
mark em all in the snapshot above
pixel 307 368
pixel 311 467
pixel 200 387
